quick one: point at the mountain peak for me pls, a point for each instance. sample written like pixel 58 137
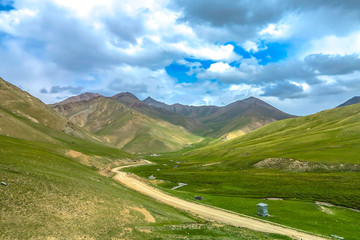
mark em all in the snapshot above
pixel 124 94
pixel 353 100
pixel 82 97
pixel 152 102
pixel 250 101
pixel 149 99
pixel 127 98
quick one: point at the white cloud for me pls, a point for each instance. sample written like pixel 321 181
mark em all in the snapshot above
pixel 202 50
pixel 206 100
pixel 245 90
pixel 304 86
pixel 9 21
pixel 234 87
pixel 83 8
pixel 127 45
pixel 219 67
pixel 250 46
pixel 335 45
pixel 275 30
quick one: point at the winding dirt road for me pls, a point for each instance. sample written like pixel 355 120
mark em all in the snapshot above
pixel 205 212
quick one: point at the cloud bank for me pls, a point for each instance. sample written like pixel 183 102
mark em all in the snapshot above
pixel 289 53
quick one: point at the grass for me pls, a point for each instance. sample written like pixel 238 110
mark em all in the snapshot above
pixel 226 175
pixel 302 215
pixel 50 196
pixel 241 191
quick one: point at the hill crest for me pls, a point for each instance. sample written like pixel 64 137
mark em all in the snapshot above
pixel 82 97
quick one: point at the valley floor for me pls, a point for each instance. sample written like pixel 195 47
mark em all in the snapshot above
pixel 206 212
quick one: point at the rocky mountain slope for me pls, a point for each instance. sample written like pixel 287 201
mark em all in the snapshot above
pixel 26 117
pixel 229 121
pixel 82 97
pixel 120 121
pixel 351 101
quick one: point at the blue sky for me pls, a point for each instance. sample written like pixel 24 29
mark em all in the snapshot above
pixel 6 5
pixel 300 56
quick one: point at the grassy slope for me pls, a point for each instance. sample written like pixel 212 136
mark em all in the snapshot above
pixel 246 115
pixel 26 117
pixel 50 196
pixel 125 127
pixel 330 137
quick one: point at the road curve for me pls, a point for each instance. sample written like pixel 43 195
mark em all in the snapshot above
pixel 205 212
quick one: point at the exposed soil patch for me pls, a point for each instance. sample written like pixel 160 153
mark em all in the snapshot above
pixel 294 165
pixel 210 164
pixel 85 159
pixel 326 210
pixel 148 217
pixel 332 205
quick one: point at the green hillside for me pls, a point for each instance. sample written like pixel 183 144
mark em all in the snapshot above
pixel 56 184
pixel 330 136
pixel 26 117
pixel 125 127
pixel 300 160
pixel 50 196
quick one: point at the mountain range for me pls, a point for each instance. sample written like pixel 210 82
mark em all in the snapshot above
pixel 126 122
pixel 273 155
pixel 238 117
pixel 143 126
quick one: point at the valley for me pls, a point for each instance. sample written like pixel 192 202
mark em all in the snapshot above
pixel 179 120
pixel 56 161
pixel 207 212
pixel 313 159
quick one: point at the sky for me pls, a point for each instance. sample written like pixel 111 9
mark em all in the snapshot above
pixel 300 56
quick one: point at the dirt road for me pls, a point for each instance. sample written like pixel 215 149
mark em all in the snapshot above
pixel 205 212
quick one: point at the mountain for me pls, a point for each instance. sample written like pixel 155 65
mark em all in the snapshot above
pixel 329 136
pixel 128 99
pixel 197 112
pixel 351 101
pixel 82 97
pixel 152 102
pixel 50 194
pixel 122 125
pixel 191 124
pixel 26 117
pixel 310 158
pixel 142 126
pixel 229 121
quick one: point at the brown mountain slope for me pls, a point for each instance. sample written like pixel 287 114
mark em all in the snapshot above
pixel 125 127
pixel 26 117
pixel 191 124
pixel 235 119
pixel 351 101
pixel 82 97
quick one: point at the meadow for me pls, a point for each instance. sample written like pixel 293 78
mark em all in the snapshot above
pixel 302 161
pixel 51 196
